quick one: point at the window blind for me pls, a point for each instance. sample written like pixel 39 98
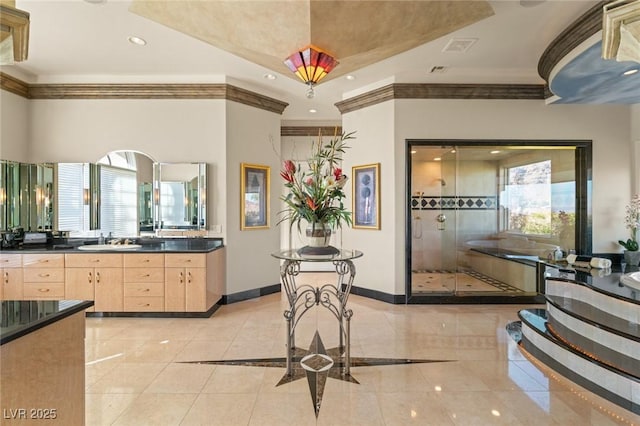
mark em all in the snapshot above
pixel 118 200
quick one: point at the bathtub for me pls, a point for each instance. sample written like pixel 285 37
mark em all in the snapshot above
pixel 514 245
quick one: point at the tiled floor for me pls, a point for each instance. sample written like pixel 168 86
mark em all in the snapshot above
pixel 135 377
pixel 463 283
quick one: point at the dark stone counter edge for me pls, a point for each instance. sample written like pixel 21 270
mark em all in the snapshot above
pixel 43 322
pixel 143 249
pixel 595 288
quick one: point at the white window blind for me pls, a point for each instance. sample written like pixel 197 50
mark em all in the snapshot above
pixel 72 211
pixel 118 200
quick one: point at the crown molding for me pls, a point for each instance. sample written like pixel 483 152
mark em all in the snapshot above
pixel 442 91
pixel 581 29
pixel 309 130
pixel 141 91
pixel 14 85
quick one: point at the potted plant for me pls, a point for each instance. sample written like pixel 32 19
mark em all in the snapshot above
pixel 632 222
pixel 315 193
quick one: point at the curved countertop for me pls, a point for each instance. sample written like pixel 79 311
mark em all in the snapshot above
pixel 147 245
pixel 21 317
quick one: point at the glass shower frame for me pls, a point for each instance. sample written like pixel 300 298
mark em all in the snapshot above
pixel 449 194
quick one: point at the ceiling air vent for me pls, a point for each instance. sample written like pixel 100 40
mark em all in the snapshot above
pixel 459 45
pixel 438 69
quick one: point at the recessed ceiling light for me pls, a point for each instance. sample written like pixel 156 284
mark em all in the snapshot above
pixel 270 76
pixel 453 151
pixel 137 40
pixel 313 111
pixel 630 72
pixel 413 151
pixel 350 77
pixel 495 152
pixel 437 159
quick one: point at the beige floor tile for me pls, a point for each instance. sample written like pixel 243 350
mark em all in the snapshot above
pixel 232 379
pixel 155 351
pixel 413 408
pixel 103 409
pixel 127 378
pixel 203 350
pixel 181 378
pixel 220 409
pixel 156 410
pixel 281 409
pixel 350 409
pixel 477 408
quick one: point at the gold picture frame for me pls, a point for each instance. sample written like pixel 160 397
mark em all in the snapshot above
pixel 255 208
pixel 366 196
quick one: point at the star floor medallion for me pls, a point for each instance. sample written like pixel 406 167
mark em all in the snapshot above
pixel 317 364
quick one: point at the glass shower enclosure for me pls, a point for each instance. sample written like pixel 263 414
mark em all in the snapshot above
pixel 481 214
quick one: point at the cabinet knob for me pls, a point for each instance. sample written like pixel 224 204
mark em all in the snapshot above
pixel 90 277
pixel 97 277
pixel 181 277
pixel 6 277
pixel 44 275
pixel 43 290
pixel 146 290
pixel 189 277
pixel 96 260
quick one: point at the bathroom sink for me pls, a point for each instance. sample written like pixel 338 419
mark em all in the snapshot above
pixel 631 280
pixel 98 247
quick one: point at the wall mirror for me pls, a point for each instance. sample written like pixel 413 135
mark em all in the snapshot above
pixel 179 195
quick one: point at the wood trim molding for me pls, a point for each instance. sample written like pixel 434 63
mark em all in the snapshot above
pixel 442 91
pixel 309 130
pixel 582 28
pixel 141 91
pixel 14 85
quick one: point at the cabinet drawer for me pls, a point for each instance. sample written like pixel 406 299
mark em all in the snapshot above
pixel 143 260
pixel 144 304
pixel 43 260
pixel 10 260
pixel 143 275
pixel 44 275
pixel 43 291
pixel 186 260
pixel 93 260
pixel 144 289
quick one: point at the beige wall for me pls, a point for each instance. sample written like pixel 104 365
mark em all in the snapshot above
pixel 635 141
pixel 386 126
pixel 253 137
pixel 14 127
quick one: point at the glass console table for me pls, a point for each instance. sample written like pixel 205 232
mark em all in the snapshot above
pixel 302 298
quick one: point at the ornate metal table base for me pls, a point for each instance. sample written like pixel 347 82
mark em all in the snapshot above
pixel 333 297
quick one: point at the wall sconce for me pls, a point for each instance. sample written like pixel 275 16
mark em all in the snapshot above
pixel 3 196
pixel 311 65
pixel 156 196
pixel 86 196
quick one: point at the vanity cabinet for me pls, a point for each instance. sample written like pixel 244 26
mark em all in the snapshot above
pixel 11 274
pixel 43 276
pixel 95 276
pixel 144 282
pixel 185 282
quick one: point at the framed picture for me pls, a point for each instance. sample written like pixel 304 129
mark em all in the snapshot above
pixel 254 196
pixel 366 196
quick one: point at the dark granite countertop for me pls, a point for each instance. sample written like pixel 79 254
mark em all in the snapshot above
pixel 21 317
pixel 147 245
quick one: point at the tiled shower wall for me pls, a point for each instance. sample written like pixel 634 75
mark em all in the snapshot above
pixel 468 199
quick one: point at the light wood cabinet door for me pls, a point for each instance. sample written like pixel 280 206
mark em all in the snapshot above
pixel 10 260
pixel 12 284
pixel 185 290
pixel 174 290
pixel 196 290
pixel 79 283
pixel 109 290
